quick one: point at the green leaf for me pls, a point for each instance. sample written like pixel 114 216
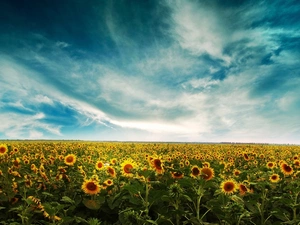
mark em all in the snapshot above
pixel 49 208
pixel 92 204
pixel 251 207
pixel 79 219
pixel 47 194
pixel 151 221
pixel 145 173
pixel 188 198
pixel 67 200
pixel 134 187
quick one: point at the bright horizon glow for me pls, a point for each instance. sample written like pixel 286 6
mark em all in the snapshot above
pixel 159 71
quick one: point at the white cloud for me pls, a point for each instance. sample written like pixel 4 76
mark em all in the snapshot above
pixel 35 134
pixel 43 99
pixel 19 126
pixel 199 29
pixel 201 83
pixel 62 44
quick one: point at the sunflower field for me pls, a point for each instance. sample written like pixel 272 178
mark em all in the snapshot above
pixel 73 182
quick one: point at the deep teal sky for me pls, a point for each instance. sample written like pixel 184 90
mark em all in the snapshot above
pixel 125 70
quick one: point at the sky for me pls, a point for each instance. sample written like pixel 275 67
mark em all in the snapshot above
pixel 151 70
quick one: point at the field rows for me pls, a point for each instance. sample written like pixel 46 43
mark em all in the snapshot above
pixel 65 182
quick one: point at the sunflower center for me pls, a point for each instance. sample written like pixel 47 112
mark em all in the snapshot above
pixel 128 168
pixel 177 174
pixel 91 186
pixel 157 163
pixel 111 171
pixel 70 159
pixel 287 168
pixel 2 149
pixel 207 173
pixel 195 171
pixel 229 186
pixel 243 188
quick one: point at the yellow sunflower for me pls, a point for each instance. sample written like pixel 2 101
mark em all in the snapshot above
pixel 99 165
pixel 70 159
pixel 91 187
pixel 297 163
pixel 206 164
pixel 3 149
pixel 286 169
pixel 271 165
pixel 157 164
pixel 128 167
pixel 236 172
pixel 177 175
pixel 108 182
pixel 229 186
pixel 207 173
pixel 113 161
pixel 243 189
pixel 111 171
pixel 195 171
pixel 274 178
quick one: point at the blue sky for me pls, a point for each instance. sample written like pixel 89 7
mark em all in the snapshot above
pixel 130 70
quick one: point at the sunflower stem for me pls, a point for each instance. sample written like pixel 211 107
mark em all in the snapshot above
pixel 200 194
pixel 146 199
pixel 294 207
pixel 262 206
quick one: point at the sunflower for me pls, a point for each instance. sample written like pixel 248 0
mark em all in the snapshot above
pixel 271 165
pixel 246 157
pixel 243 189
pixel 3 149
pixel 90 187
pixel 228 186
pixel 111 171
pixel 158 165
pixel 274 178
pixel 195 171
pixel 187 162
pixel 127 167
pixel 236 172
pixel 286 169
pixel 99 165
pixel 206 164
pixel 108 182
pixel 207 173
pixel 70 159
pixel 17 163
pixel 297 163
pixel 113 161
pixel 177 175
pixel 34 168
pixel 15 150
